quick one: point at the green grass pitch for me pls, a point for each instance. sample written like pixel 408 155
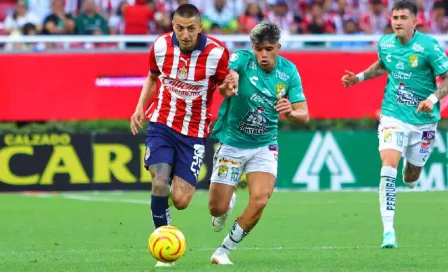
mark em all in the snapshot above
pixel 298 232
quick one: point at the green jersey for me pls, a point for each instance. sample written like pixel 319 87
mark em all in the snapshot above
pixel 412 69
pixel 249 120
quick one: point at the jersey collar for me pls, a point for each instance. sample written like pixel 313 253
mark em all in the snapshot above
pixel 200 45
pixel 414 36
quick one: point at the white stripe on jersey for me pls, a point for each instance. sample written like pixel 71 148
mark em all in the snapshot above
pixel 155 114
pixel 192 67
pixel 160 48
pixel 173 108
pixel 189 102
pixel 176 56
pixel 212 61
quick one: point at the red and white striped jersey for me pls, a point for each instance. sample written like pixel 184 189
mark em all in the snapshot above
pixel 186 83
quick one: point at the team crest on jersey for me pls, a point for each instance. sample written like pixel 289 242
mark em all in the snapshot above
pixel 413 61
pixel 281 89
pixel 255 122
pixel 182 73
pixel 223 170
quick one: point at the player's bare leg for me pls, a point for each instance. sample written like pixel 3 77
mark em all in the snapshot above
pixel 261 186
pixel 411 174
pixel 387 195
pixel 182 193
pixel 221 203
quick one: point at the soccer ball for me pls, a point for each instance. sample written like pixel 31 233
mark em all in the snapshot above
pixel 167 244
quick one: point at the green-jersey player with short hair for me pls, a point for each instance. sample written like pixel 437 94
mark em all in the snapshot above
pixel 268 85
pixel 410 108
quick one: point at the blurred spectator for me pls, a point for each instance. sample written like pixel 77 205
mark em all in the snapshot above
pixel 439 21
pixel 58 22
pixel 374 21
pixel 90 22
pixel 251 17
pixel 351 28
pixel 14 22
pixel 316 22
pixel 116 21
pixel 41 8
pixel 137 18
pixel 221 14
pixel 338 16
pixel 285 18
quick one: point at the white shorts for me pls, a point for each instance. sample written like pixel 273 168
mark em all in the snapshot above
pixel 230 162
pixel 415 142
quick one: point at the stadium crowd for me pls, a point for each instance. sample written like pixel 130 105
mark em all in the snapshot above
pixel 140 17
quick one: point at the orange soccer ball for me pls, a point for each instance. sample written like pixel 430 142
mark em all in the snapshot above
pixel 167 244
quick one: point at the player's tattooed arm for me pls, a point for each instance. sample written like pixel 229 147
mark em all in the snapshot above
pixel 375 70
pixel 442 91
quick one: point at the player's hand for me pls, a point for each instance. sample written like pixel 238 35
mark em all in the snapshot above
pixel 283 105
pixel 349 79
pixel 229 86
pixel 137 120
pixel 426 106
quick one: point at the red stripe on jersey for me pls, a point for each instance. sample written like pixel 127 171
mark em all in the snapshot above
pixel 169 56
pixel 196 110
pixel 201 63
pixel 165 107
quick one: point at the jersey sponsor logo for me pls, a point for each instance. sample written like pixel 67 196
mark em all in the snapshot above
pixel 400 65
pixel 182 73
pixel 252 65
pixel 405 95
pixel 437 47
pixel 386 45
pixel 281 89
pixel 185 60
pixel 413 61
pixel 282 75
pixel 233 57
pixel 389 58
pixel 181 88
pixel 253 79
pixel 444 65
pixel 401 75
pixel 255 122
pixel 259 99
pixel 418 48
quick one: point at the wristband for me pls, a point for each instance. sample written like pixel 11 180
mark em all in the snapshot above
pixel 433 99
pixel 360 76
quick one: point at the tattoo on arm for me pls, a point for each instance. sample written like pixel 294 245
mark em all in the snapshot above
pixel 442 91
pixel 375 70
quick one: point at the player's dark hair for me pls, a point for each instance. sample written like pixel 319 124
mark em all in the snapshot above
pixel 405 4
pixel 265 31
pixel 187 11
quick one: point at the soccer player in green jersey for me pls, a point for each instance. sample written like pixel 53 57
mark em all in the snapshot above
pixel 268 85
pixel 410 108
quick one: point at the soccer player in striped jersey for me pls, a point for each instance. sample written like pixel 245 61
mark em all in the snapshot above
pixel 185 68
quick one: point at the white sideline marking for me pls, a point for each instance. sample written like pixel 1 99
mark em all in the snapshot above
pixel 103 199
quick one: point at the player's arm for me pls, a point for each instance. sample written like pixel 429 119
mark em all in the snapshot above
pixel 147 92
pixel 295 107
pixel 439 64
pixel 375 70
pixel 299 113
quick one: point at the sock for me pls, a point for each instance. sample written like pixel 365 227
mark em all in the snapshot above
pixel 234 237
pixel 160 211
pixel 387 197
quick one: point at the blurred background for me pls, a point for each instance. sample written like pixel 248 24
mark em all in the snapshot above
pixel 72 70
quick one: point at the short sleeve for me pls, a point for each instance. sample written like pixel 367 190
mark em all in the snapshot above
pixel 295 88
pixel 152 61
pixel 237 60
pixel 223 66
pixel 437 59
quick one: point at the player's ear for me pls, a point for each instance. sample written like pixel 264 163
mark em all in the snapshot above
pixel 279 46
pixel 200 27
